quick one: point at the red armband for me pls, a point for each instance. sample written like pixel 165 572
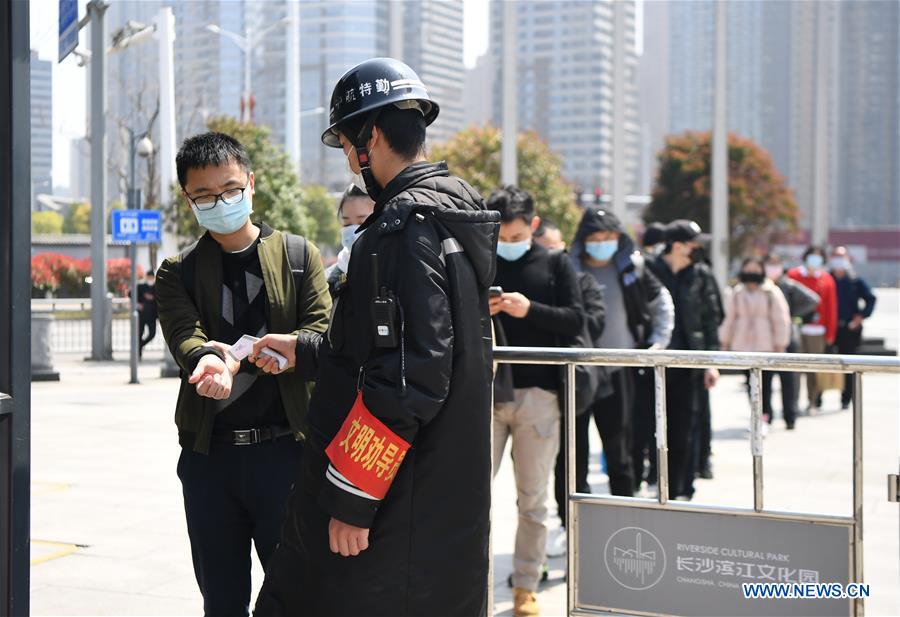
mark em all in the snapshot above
pixel 366 452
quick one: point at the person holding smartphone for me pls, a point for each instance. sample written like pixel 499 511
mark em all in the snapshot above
pixel 540 306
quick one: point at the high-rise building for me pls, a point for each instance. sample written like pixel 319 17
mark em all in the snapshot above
pixel 209 68
pixel 690 62
pixel 329 45
pixel 132 99
pixel 41 127
pixel 334 35
pixel 814 83
pixel 679 55
pixel 564 84
pixel 478 100
pixel 80 169
pixel 433 46
pixel 653 89
pixel 868 194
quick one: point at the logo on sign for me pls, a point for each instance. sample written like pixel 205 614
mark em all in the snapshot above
pixel 635 558
pixel 128 225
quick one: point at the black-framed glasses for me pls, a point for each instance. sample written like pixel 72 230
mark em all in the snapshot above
pixel 229 198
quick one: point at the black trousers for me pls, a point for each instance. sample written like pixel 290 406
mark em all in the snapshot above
pixel 847 342
pixel 146 323
pixel 582 452
pixel 789 391
pixel 233 496
pixel 682 388
pixel 613 416
pixel 702 435
pixel 644 438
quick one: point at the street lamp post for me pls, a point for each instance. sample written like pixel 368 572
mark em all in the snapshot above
pixel 101 322
pixel 139 145
pixel 247 43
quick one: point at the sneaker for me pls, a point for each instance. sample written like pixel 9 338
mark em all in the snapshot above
pixel 525 603
pixel 556 542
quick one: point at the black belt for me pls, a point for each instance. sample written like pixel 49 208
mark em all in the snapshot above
pixel 252 436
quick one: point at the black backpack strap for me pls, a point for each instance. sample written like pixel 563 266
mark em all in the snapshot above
pixel 297 254
pixel 187 260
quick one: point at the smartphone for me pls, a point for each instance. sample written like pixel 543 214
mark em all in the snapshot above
pixel 495 292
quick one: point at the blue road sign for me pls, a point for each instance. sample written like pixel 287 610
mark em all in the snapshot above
pixel 68 27
pixel 141 226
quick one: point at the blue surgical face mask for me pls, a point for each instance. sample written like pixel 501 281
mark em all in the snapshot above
pixel 601 251
pixel 840 263
pixel 814 261
pixel 225 218
pixel 349 236
pixel 513 251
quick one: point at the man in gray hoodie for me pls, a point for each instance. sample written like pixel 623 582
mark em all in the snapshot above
pixel 639 315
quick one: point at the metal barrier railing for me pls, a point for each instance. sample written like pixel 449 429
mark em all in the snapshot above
pixel 659 361
pixel 70 331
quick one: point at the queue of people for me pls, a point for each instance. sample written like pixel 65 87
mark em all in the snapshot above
pixel 661 297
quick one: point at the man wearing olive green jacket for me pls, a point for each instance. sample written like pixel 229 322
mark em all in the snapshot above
pixel 241 431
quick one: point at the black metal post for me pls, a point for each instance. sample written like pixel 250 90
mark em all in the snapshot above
pixel 15 307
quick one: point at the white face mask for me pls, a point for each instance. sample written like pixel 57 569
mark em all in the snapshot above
pixel 349 236
pixel 774 272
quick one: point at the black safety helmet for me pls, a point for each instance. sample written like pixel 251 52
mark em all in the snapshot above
pixel 362 92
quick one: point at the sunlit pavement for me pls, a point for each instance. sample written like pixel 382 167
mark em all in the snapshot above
pixel 108 527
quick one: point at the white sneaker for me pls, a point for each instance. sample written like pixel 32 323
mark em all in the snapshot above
pixel 556 542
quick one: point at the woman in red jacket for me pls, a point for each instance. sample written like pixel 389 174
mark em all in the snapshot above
pixel 820 329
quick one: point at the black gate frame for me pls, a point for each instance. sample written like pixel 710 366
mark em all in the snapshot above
pixel 15 307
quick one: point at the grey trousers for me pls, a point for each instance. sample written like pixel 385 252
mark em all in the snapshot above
pixel 532 421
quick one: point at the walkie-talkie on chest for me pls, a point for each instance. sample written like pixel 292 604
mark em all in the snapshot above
pixel 384 311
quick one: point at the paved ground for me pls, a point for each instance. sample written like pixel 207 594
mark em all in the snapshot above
pixel 108 526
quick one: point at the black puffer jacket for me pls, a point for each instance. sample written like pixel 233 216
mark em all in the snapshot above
pixel 429 516
pixel 698 304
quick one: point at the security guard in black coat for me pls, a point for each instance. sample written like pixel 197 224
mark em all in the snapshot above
pixel 390 515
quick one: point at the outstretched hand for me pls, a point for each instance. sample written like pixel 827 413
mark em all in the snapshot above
pixel 212 378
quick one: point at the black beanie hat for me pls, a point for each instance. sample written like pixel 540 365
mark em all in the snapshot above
pixel 682 230
pixel 654 234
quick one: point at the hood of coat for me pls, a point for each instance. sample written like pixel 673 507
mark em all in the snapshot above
pixel 428 189
pixel 598 219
